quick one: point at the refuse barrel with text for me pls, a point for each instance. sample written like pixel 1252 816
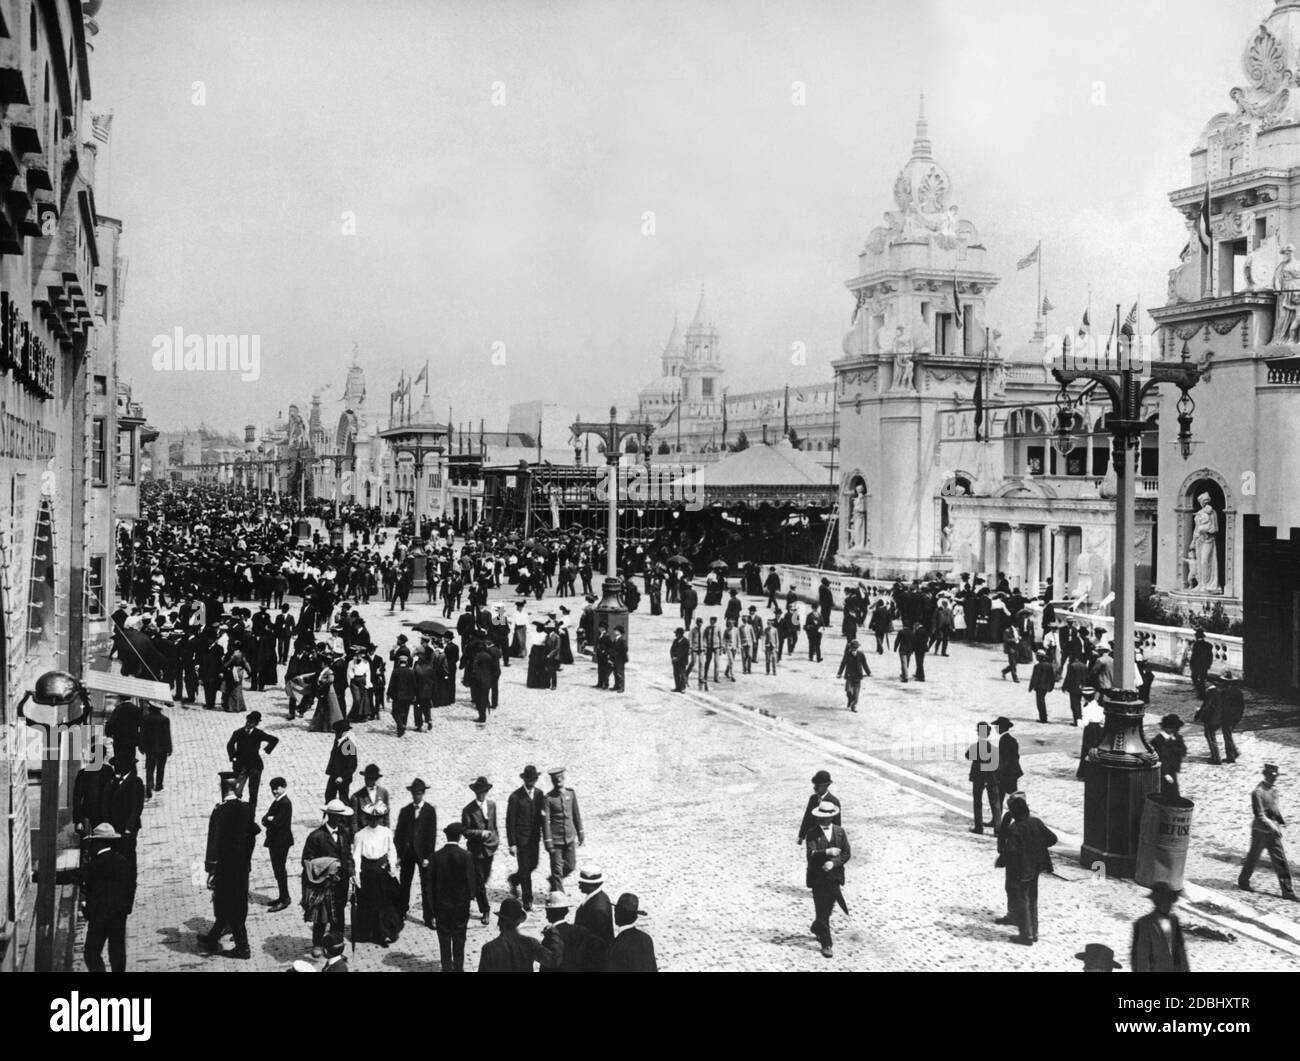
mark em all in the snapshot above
pixel 1164 833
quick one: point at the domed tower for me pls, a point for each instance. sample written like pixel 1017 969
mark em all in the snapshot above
pixel 657 399
pixel 917 335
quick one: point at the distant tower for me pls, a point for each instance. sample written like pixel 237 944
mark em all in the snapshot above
pixel 702 369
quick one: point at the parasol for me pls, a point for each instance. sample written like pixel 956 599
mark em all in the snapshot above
pixel 678 559
pixel 719 565
pixel 431 626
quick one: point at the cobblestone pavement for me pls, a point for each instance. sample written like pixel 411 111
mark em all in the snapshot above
pixel 695 808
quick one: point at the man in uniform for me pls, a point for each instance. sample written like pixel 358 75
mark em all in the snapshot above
pixel 231 835
pixel 479 822
pixel 524 812
pixel 828 851
pixel 1266 833
pixel 561 828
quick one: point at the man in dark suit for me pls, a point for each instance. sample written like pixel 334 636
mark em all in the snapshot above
pixel 825 602
pixel 108 895
pixel 511 952
pixel 828 851
pixel 618 657
pixel 122 803
pixel 336 960
pixel 633 950
pixel 244 752
pixel 524 833
pixel 821 793
pixel 343 762
pixel 1201 657
pixel 1158 937
pixel 416 841
pixel 369 794
pixel 479 822
pixel 329 896
pixel 583 953
pixel 1168 744
pixel 1222 710
pixel 278 823
pixel 983 777
pixel 231 835
pixel 596 915
pixel 123 728
pixel 602 659
pixel 1025 855
pixel 1042 679
pixel 1076 677
pixel 453 884
pixel 156 743
pixel 679 652
pixel 1008 772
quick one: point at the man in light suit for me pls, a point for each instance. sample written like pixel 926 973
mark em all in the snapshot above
pixel 524 833
pixel 828 851
pixel 1158 937
pixel 479 821
pixel 416 839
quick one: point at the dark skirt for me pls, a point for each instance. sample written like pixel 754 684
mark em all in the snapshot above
pixel 566 649
pixel 379 917
pixel 538 676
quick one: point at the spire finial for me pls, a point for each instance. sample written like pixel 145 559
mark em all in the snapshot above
pixel 921 145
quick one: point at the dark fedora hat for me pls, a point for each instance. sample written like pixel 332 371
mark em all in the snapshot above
pixel 481 784
pixel 530 773
pixel 371 770
pixel 1172 722
pixel 821 777
pixel 1003 723
pixel 1163 889
pixel 417 785
pixel 511 912
pixel 1097 957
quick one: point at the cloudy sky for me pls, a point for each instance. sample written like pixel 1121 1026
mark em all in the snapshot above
pixel 518 220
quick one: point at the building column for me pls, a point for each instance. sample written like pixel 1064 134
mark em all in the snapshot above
pixel 1059 587
pixel 990 559
pixel 1034 575
pixel 1016 556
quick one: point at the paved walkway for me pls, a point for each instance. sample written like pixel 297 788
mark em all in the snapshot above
pixel 693 803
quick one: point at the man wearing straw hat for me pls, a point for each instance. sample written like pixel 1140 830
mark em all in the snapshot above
pixel 327 873
pixel 108 894
pixel 828 851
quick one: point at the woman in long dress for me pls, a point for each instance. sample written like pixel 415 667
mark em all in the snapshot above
pixel 444 679
pixel 566 646
pixel 232 693
pixel 538 675
pixel 713 589
pixel 378 917
pixel 327 704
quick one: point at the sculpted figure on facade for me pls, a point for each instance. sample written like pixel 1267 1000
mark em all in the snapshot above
pixel 858 518
pixel 1286 282
pixel 1205 553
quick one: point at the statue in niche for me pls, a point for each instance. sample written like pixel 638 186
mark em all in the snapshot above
pixel 858 518
pixel 902 361
pixel 1204 552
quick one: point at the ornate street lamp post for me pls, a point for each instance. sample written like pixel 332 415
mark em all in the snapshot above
pixel 1122 769
pixel 611 612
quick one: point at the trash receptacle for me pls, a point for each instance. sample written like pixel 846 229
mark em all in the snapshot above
pixel 1163 836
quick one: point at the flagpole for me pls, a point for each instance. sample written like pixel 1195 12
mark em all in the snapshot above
pixel 1040 283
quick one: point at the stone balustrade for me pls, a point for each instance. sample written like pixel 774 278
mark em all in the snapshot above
pixel 1168 645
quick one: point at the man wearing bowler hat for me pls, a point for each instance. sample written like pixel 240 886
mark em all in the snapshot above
pixel 342 764
pixel 231 835
pixel 821 793
pixel 1168 744
pixel 561 828
pixel 1158 937
pixel 524 833
pixel 828 851
pixel 370 794
pixel 243 749
pixel 1266 833
pixel 633 950
pixel 479 820
pixel 416 840
pixel 511 952
pixel 452 883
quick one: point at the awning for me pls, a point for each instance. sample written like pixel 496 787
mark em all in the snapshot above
pixel 141 688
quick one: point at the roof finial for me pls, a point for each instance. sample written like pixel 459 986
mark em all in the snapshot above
pixel 921 145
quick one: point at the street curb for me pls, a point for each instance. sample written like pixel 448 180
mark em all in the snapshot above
pixel 1218 907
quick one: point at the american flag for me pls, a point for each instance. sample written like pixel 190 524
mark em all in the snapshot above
pixel 1029 258
pixel 1047 306
pixel 1085 329
pixel 1130 322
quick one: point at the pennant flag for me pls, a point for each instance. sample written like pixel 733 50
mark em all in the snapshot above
pixel 1085 329
pixel 979 403
pixel 958 315
pixel 799 396
pixel 424 373
pixel 785 412
pixel 724 423
pixel 1203 218
pixel 1130 322
pixel 671 413
pixel 1029 258
pixel 1047 306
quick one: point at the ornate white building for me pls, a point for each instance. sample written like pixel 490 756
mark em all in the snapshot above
pixel 919 494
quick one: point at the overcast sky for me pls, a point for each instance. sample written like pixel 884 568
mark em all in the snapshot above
pixel 521 224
